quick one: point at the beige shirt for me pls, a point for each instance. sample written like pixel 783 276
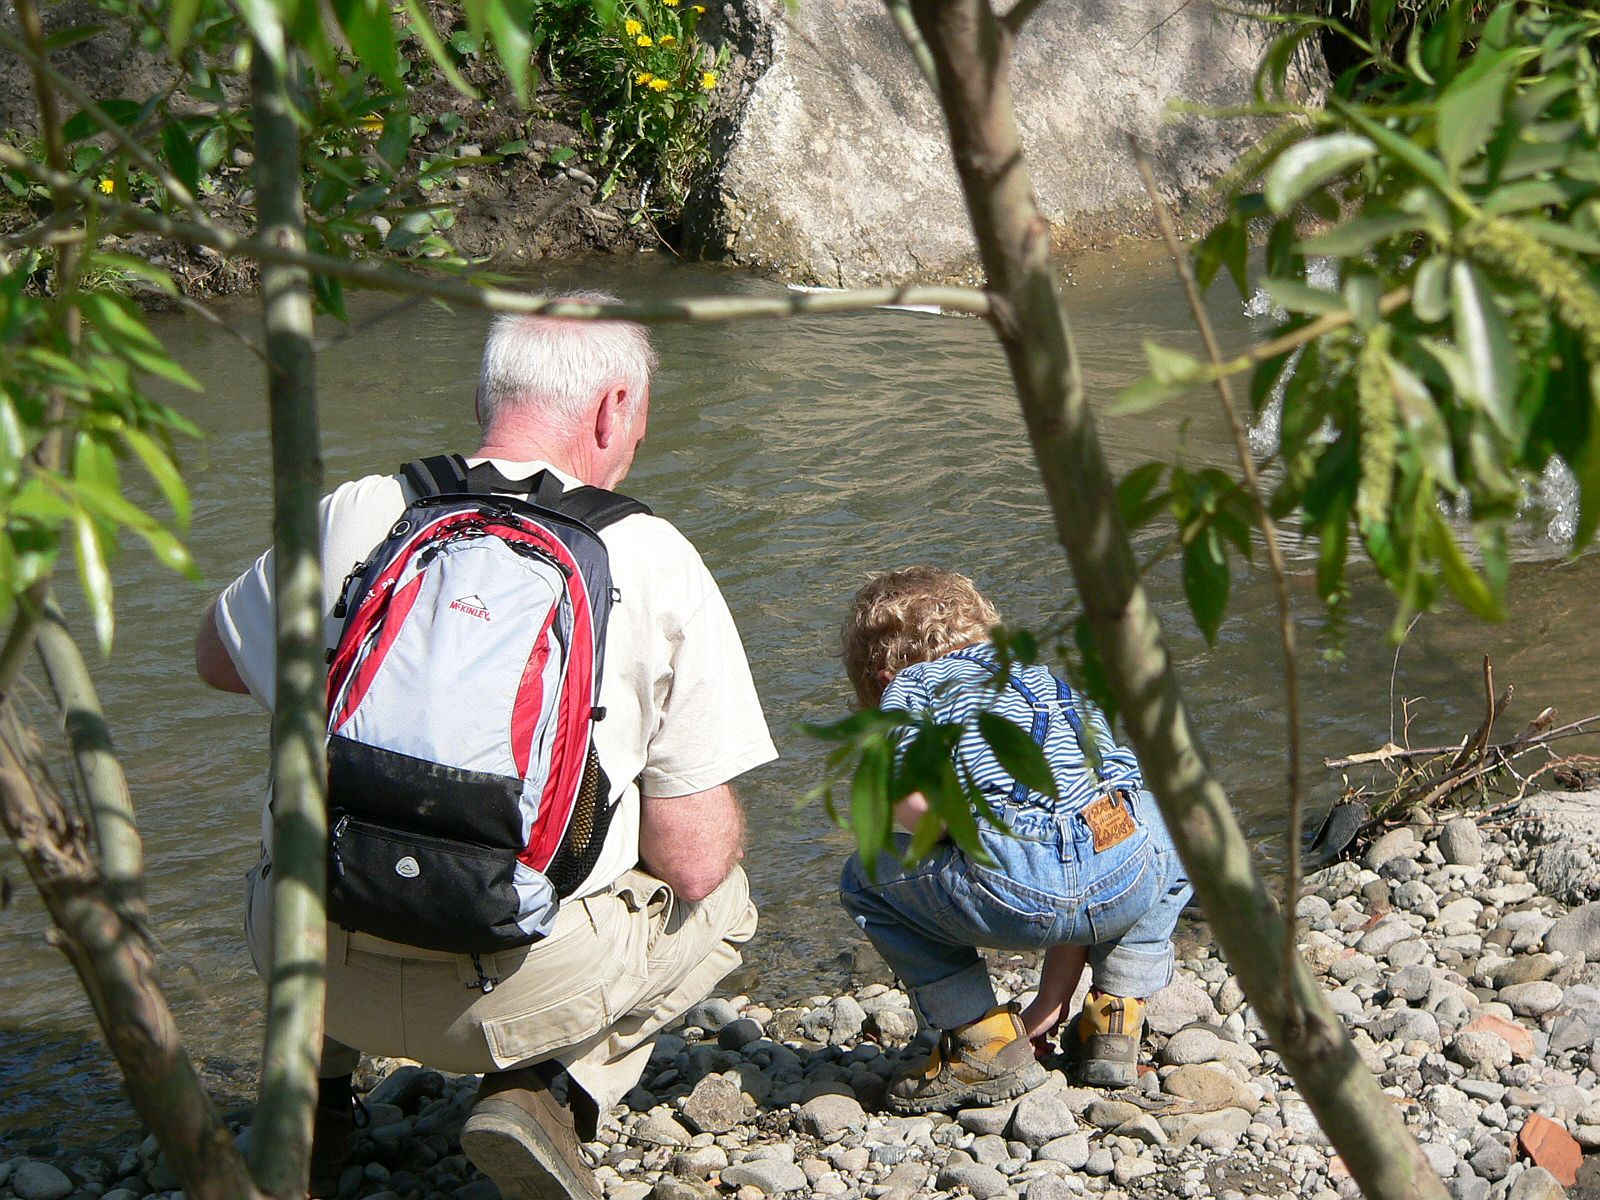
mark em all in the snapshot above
pixel 682 715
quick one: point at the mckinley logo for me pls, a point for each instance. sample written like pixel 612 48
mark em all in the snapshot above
pixel 472 605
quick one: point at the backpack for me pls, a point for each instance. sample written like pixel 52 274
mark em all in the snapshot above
pixel 465 797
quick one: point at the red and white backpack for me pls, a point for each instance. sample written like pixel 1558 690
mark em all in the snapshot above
pixel 465 798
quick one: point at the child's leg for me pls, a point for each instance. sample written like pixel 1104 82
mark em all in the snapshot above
pixel 1058 979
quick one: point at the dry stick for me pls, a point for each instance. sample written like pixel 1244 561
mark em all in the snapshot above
pixel 972 51
pixel 118 969
pixel 495 299
pixel 1280 573
pixel 1534 739
pixel 281 1144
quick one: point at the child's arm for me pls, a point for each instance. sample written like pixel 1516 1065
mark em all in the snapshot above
pixel 910 810
pixel 1058 979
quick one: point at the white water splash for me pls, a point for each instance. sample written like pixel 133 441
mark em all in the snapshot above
pixel 1321 273
pixel 1557 495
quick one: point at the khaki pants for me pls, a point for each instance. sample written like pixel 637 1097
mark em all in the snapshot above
pixel 617 968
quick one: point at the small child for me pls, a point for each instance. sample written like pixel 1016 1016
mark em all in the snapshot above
pixel 1091 876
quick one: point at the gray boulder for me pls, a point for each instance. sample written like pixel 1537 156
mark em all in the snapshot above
pixel 978 1179
pixel 827 1117
pixel 1041 1117
pixel 773 1176
pixel 1566 827
pixel 1576 933
pixel 34 1180
pixel 1461 842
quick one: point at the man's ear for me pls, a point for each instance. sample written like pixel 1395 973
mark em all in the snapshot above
pixel 611 418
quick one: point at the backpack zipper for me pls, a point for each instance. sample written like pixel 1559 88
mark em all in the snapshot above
pixel 485 983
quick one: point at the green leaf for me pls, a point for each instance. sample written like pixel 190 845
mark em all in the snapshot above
pixel 1401 147
pixel 1458 574
pixel 1430 293
pixel 81 125
pixel 1144 394
pixel 1482 336
pixel 1360 234
pixel 181 156
pixel 421 24
pixel 180 23
pixel 129 264
pixel 126 333
pixel 1206 582
pixel 1019 754
pixel 370 28
pixel 1471 107
pixel 1226 246
pixel 509 21
pixel 871 815
pixel 1298 296
pixel 63 39
pixel 1133 494
pixel 95 575
pixel 164 471
pixel 1312 163
pixel 262 20
pixel 1586 466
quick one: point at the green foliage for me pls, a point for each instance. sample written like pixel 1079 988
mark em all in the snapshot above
pixel 880 758
pixel 644 80
pixel 1453 180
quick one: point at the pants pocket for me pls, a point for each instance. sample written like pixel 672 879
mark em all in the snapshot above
pixel 553 1022
pixel 1114 903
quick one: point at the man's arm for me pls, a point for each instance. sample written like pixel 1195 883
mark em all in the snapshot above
pixel 692 843
pixel 212 662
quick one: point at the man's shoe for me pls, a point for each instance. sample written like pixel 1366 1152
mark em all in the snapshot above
pixel 983 1062
pixel 527 1140
pixel 1103 1043
pixel 333 1126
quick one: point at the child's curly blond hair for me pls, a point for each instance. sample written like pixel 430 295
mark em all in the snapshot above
pixel 907 616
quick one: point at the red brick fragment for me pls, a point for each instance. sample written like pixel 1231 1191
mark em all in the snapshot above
pixel 1519 1037
pixel 1548 1145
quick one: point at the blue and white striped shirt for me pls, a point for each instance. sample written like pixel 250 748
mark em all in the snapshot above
pixel 960 685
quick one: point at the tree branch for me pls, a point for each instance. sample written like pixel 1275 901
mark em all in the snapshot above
pixel 382 278
pixel 281 1148
pixel 1018 15
pixel 900 14
pixel 972 51
pixel 1280 574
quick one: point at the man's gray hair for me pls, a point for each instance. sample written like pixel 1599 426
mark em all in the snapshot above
pixel 557 365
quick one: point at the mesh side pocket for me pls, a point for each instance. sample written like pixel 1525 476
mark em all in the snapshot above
pixel 586 833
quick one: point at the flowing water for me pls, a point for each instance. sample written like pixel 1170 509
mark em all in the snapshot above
pixel 798 456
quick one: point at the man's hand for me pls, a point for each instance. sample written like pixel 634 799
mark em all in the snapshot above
pixel 212 662
pixel 692 843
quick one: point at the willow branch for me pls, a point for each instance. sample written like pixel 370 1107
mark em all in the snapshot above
pixel 105 786
pixel 906 24
pixel 119 973
pixel 1019 13
pixel 1280 573
pixel 281 1146
pixel 382 278
pixel 972 50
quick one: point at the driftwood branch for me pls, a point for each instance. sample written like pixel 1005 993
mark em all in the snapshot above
pixel 972 50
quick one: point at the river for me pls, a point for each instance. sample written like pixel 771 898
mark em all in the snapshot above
pixel 798 456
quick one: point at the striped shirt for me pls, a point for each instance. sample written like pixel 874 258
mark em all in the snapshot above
pixel 958 686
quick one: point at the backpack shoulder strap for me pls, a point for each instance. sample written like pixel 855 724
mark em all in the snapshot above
pixel 440 475
pixel 598 508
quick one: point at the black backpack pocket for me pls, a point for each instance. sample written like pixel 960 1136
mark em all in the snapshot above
pixel 432 892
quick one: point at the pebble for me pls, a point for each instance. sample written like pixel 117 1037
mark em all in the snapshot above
pixel 773 1176
pixel 34 1180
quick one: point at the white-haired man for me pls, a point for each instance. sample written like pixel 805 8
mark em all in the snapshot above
pixel 567 1029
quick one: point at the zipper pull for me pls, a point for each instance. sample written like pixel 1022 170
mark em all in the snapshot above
pixel 333 843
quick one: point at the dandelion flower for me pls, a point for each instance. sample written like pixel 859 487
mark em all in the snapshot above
pixel 659 85
pixel 699 8
pixel 642 78
pixel 108 186
pixel 708 80
pixel 634 28
pixel 670 3
pixel 644 40
pixel 667 39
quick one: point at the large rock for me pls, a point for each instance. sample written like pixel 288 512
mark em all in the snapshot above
pixel 839 172
pixel 34 1180
pixel 1210 1088
pixel 1576 933
pixel 1461 842
pixel 1566 826
pixel 716 1105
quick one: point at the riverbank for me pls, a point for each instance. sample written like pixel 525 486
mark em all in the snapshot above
pixel 1465 960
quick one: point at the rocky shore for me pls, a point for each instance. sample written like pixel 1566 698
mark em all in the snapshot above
pixel 1464 959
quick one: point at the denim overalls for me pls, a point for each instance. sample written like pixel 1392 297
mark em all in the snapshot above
pixel 1049 886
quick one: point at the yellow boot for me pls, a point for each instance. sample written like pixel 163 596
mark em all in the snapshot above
pixel 1104 1041
pixel 982 1062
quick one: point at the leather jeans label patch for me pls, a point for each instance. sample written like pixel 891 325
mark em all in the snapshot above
pixel 1110 822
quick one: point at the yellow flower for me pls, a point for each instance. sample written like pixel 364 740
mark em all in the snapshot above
pixel 659 85
pixel 642 78
pixel 667 39
pixel 633 27
pixel 108 186
pixel 708 80
pixel 699 8
pixel 670 3
pixel 643 40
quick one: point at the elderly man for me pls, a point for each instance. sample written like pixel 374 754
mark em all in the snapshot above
pixel 560 1028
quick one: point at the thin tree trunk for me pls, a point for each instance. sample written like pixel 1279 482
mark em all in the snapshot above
pixel 121 851
pixel 972 52
pixel 282 1137
pixel 118 970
